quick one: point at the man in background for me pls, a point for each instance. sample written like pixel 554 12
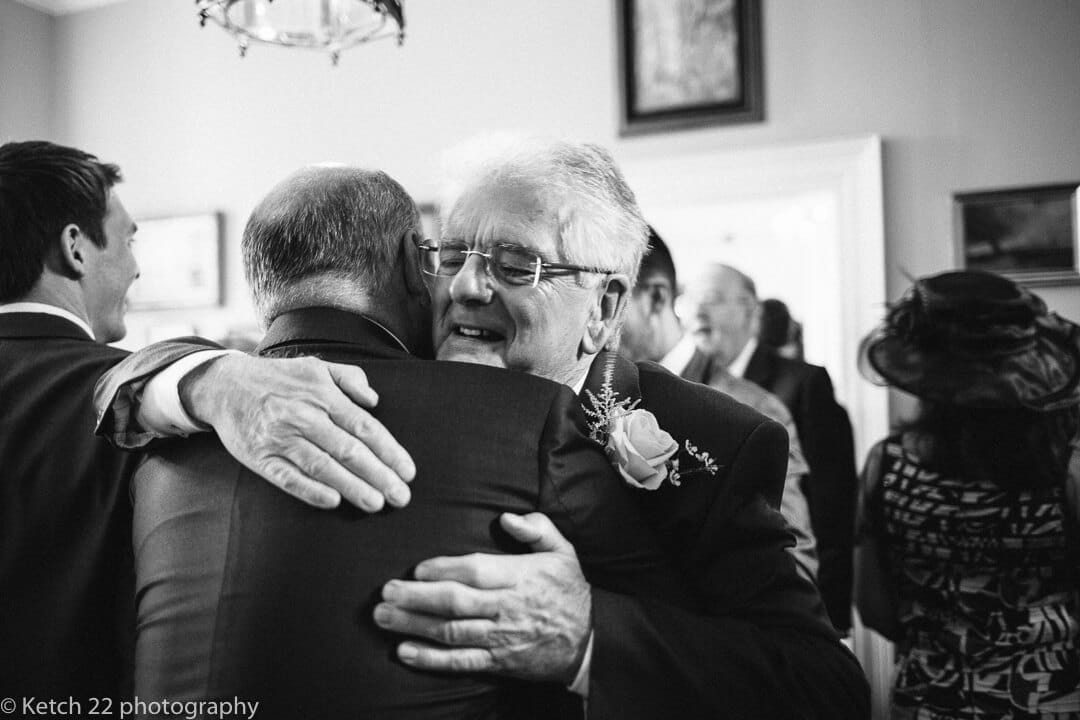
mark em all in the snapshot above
pixel 66 621
pixel 652 331
pixel 724 323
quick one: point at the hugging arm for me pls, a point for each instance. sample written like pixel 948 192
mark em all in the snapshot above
pixel 761 649
pixel 529 616
pixel 300 423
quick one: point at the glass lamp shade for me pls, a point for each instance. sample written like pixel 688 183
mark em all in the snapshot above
pixel 330 25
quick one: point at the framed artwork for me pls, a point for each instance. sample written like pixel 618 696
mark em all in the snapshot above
pixel 180 261
pixel 688 63
pixel 1028 234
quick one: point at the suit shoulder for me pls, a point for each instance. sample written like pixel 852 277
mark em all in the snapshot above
pixel 468 373
pixel 801 369
pixel 665 393
pixel 471 387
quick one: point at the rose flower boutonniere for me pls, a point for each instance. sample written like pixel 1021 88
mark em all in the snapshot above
pixel 644 454
pixel 639 449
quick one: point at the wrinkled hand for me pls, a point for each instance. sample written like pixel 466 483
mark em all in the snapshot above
pixel 301 424
pixel 527 616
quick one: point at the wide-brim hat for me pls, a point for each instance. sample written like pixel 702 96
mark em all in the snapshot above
pixel 978 340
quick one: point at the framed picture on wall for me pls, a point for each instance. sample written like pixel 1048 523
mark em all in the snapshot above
pixel 1028 234
pixel 180 262
pixel 688 63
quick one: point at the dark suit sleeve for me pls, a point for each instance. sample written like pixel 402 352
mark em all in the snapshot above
pixel 761 651
pixel 117 393
pixel 825 431
pixel 587 502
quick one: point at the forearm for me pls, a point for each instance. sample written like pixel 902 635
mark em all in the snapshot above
pixel 119 394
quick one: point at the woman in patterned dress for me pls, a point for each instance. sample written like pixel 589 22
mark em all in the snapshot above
pixel 967 548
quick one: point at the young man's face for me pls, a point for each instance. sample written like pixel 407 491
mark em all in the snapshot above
pixel 110 272
pixel 641 337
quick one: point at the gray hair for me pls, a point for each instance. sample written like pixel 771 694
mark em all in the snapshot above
pixel 340 221
pixel 594 210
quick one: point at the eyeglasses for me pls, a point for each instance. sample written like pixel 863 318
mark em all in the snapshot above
pixel 509 264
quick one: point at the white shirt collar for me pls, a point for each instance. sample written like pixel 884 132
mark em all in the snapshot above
pixel 35 307
pixel 679 356
pixel 580 384
pixel 738 365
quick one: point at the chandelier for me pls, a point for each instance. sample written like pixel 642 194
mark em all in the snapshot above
pixel 330 25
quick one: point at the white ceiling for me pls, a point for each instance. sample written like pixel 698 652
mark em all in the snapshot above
pixel 64 7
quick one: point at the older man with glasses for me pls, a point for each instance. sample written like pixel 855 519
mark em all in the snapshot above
pixel 540 247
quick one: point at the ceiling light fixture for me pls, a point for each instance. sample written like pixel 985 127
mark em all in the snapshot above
pixel 330 25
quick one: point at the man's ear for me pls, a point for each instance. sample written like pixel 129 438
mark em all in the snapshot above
pixel 607 313
pixel 410 253
pixel 72 255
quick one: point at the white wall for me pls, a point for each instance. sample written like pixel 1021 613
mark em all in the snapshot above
pixel 966 94
pixel 26 73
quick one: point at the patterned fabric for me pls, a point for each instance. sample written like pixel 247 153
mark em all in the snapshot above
pixel 988 595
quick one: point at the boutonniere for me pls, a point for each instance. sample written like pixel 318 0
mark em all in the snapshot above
pixel 643 453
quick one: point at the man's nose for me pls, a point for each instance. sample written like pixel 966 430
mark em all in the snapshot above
pixel 472 282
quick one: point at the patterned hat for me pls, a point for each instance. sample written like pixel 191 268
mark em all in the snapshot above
pixel 978 340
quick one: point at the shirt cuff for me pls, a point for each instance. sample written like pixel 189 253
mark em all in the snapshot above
pixel 160 410
pixel 580 686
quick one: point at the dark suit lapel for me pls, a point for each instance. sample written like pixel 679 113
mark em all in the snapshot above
pixel 762 368
pixel 612 370
pixel 698 369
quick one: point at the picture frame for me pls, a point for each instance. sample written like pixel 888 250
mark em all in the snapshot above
pixel 180 263
pixel 1028 234
pixel 689 63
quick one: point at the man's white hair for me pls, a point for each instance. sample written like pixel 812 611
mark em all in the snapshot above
pixel 583 192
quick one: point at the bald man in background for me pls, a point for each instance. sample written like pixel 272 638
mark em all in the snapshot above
pixel 652 331
pixel 724 322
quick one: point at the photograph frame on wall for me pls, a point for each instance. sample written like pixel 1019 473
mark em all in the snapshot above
pixel 1028 234
pixel 180 262
pixel 689 63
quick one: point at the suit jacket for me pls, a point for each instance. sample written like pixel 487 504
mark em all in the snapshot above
pixel 66 614
pixel 793 505
pixel 764 648
pixel 827 441
pixel 244 591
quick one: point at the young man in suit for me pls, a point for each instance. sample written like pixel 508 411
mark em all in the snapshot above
pixel 540 248
pixel 724 324
pixel 230 602
pixel 65 561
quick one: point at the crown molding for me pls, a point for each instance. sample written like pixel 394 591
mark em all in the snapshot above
pixel 66 7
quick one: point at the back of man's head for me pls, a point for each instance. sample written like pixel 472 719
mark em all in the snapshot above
pixel 340 222
pixel 44 188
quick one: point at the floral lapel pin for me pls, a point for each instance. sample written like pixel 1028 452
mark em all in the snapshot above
pixel 643 453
